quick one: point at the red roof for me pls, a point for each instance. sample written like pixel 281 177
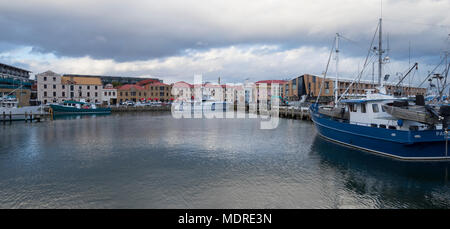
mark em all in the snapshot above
pixel 182 84
pixel 272 81
pixel 158 84
pixel 130 86
pixel 144 82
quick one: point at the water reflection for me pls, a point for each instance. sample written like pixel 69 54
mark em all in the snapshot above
pixel 150 160
pixel 390 182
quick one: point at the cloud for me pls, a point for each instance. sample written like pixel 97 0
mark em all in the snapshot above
pixel 256 39
pixel 233 64
pixel 141 30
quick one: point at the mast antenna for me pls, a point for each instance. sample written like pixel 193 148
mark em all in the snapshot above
pixel 380 52
pixel 336 88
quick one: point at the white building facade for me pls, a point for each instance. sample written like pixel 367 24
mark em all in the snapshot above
pixel 109 95
pixel 54 88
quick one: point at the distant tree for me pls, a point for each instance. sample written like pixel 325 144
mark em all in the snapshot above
pixel 116 84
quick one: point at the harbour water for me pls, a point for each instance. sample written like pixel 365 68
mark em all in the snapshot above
pixel 150 160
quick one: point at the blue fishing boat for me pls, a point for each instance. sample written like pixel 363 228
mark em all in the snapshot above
pixel 385 124
pixel 79 108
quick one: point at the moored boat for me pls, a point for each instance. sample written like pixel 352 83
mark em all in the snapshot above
pixel 9 110
pixel 75 107
pixel 385 124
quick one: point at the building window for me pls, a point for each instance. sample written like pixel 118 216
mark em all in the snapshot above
pixel 161 88
pixel 79 87
pixel 71 95
pixel 54 86
pixel 120 93
pixel 45 93
pixel 89 87
pixel 161 94
pixel 63 86
pixel 63 94
pixel 106 93
pixel 114 94
pixel 54 94
pixel 96 94
pixel 45 101
pixel 79 94
pixel 126 93
pixel 54 78
pixel 71 87
pixel 133 93
pixel 88 94
pixel 45 85
pixel 96 87
pixel 45 78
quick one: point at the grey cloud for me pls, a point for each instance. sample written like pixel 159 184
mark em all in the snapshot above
pixel 138 30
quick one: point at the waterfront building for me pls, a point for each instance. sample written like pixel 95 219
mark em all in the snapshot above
pixel 269 83
pixel 131 92
pixel 109 95
pixel 54 88
pixel 158 91
pixel 15 82
pixel 82 88
pixel 49 88
pixel 116 80
pixel 310 85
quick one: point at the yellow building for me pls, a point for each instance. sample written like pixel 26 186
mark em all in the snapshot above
pixel 131 92
pixel 159 91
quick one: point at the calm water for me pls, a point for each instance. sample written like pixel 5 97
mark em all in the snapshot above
pixel 150 160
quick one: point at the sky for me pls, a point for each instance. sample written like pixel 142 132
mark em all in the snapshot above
pixel 234 40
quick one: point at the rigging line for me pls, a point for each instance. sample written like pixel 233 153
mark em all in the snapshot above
pixel 365 63
pixel 356 43
pixel 431 73
pixel 326 69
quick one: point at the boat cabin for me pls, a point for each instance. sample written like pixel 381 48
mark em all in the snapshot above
pixel 8 102
pixel 78 105
pixel 370 112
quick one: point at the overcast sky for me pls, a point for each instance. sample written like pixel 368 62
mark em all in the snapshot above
pixel 231 39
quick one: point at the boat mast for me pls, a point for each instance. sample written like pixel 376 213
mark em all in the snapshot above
pixel 336 88
pixel 380 53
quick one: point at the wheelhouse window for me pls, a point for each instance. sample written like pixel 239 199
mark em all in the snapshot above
pixel 363 108
pixel 375 108
pixel 352 107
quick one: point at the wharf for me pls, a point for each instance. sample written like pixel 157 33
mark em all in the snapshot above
pixel 6 117
pixel 295 113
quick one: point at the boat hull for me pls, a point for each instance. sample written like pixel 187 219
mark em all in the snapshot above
pixel 398 144
pixel 57 110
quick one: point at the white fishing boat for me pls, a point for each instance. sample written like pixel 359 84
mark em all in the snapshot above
pixel 10 111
